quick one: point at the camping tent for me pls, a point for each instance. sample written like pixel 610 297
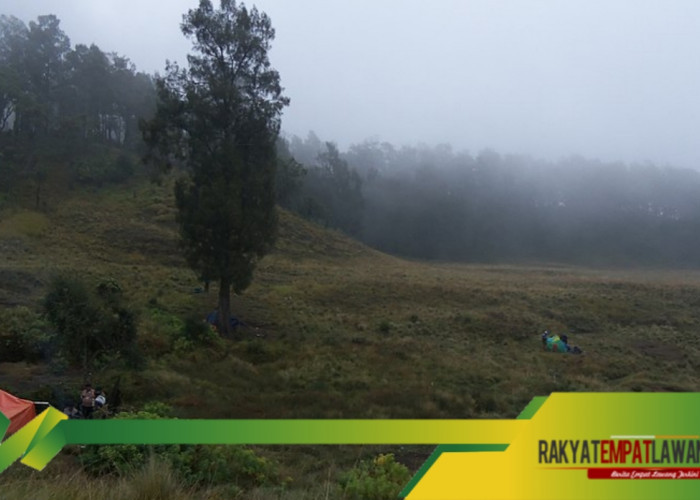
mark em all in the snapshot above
pixel 213 319
pixel 19 411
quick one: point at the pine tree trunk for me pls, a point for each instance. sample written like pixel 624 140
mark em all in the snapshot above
pixel 224 323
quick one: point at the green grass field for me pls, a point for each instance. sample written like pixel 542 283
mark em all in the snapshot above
pixel 337 330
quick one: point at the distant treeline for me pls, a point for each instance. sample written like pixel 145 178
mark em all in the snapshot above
pixel 63 104
pixel 77 109
pixel 434 203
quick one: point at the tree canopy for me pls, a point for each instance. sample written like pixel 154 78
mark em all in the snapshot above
pixel 74 106
pixel 434 203
pixel 219 119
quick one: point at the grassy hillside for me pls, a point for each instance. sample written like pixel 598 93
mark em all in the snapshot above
pixel 336 330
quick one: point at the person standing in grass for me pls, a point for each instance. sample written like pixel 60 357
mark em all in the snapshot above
pixel 87 401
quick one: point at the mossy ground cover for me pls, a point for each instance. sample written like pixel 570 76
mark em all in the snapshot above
pixel 336 330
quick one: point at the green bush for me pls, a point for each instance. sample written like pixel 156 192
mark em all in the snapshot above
pixel 167 322
pixel 161 410
pixel 195 329
pixel 379 479
pixel 99 170
pixel 125 459
pixel 71 310
pixel 24 335
pixel 182 346
pixel 385 326
pixel 194 465
pixel 199 332
pixel 216 465
pixel 93 327
pixel 192 333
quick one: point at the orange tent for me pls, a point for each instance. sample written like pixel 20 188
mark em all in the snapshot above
pixel 19 411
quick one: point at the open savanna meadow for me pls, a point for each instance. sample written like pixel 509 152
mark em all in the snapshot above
pixel 331 329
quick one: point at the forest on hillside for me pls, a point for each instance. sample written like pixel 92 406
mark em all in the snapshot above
pixel 70 115
pixel 435 203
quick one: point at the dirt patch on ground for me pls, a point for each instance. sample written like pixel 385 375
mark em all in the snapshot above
pixel 659 350
pixel 18 287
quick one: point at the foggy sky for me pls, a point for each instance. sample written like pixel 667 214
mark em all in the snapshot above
pixel 615 80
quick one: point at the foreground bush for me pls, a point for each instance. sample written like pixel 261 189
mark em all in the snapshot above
pixel 24 335
pixel 379 479
pixel 193 465
pixel 91 325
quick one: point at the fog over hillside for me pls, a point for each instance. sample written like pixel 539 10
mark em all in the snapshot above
pixel 617 81
pixel 437 203
pixel 73 112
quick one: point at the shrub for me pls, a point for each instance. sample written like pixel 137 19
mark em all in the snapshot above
pixel 24 335
pixel 159 409
pixel 200 332
pixel 385 326
pixel 194 465
pixel 379 479
pixel 70 309
pixel 99 170
pixel 216 465
pixel 182 346
pixel 165 322
pixel 91 326
pixel 125 459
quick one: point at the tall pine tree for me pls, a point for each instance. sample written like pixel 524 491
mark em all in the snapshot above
pixel 220 119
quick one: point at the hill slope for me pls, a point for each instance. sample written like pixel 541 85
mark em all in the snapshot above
pixel 334 329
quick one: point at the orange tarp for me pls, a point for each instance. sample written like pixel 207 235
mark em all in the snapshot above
pixel 19 411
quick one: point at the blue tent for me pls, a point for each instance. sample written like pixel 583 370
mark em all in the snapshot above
pixel 213 319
